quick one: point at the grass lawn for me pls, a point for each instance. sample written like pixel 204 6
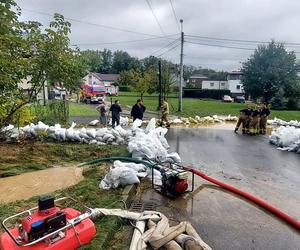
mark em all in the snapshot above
pixel 191 107
pixel 16 158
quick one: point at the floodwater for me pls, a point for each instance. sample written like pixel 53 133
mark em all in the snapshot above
pixel 40 182
pixel 224 220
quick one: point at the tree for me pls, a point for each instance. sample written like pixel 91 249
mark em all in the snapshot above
pixel 122 61
pixel 106 61
pixel 146 83
pixel 269 70
pixel 28 52
pixel 128 78
pixel 93 59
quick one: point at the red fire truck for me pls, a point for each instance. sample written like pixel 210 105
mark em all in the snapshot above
pixel 92 93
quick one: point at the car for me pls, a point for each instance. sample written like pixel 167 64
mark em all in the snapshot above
pixel 239 99
pixel 227 98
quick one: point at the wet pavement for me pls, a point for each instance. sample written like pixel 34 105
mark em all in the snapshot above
pixel 224 220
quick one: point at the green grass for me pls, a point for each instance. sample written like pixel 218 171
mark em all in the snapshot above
pixel 19 158
pixel 81 109
pixel 191 107
pixel 34 155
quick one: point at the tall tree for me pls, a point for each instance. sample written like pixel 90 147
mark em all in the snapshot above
pixel 28 52
pixel 122 61
pixel 106 61
pixel 93 59
pixel 269 70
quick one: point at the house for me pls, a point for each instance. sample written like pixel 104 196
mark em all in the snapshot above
pixel 213 84
pixel 106 80
pixel 235 84
pixel 196 80
pixel 41 96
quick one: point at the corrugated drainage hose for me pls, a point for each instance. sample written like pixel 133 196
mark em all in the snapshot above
pixel 232 189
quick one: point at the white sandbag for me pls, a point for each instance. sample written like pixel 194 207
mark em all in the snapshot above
pixel 91 133
pixel 120 176
pixel 124 121
pixel 41 127
pixel 93 142
pixel 137 167
pixel 94 122
pixel 173 157
pixel 7 128
pixel 151 125
pixel 121 131
pixel 108 137
pixel 101 132
pixel 136 124
pixel 83 134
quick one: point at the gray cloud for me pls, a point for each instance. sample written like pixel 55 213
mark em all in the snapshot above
pixel 247 19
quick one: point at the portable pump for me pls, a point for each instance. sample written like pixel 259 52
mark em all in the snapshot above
pixel 48 227
pixel 174 180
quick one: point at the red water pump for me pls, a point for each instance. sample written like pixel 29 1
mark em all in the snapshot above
pixel 48 227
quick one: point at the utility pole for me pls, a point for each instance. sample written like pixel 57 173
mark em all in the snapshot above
pixel 159 86
pixel 181 69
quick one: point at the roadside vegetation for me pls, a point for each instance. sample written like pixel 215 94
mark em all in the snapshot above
pixel 191 107
pixel 17 159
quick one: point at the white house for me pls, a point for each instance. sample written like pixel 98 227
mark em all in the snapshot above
pixel 235 84
pixel 213 84
pixel 41 96
pixel 106 80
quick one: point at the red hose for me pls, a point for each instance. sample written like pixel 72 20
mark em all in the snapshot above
pixel 250 197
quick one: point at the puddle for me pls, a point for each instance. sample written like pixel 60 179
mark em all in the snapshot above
pixel 40 182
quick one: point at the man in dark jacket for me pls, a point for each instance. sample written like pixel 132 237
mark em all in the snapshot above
pixel 115 113
pixel 138 109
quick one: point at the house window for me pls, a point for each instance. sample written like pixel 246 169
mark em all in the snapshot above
pixel 193 80
pixel 238 87
pixel 212 84
pixel 222 84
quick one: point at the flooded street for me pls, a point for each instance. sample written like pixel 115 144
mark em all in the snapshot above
pixel 224 220
pixel 40 182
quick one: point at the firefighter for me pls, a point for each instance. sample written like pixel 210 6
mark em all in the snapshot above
pixel 254 123
pixel 244 119
pixel 165 113
pixel 265 112
pixel 115 113
pixel 102 110
pixel 138 109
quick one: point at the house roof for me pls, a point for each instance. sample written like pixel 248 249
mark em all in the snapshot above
pixel 107 77
pixel 199 76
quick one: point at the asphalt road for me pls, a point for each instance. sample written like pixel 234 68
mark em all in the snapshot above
pixel 226 221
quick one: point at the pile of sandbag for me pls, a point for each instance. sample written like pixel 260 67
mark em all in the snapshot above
pixel 203 120
pixel 124 121
pixel 279 122
pixel 286 138
pixel 116 136
pixel 150 143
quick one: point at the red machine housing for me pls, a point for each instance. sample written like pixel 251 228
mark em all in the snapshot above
pixel 86 231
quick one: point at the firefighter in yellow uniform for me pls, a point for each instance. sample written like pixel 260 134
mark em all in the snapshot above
pixel 244 119
pixel 254 123
pixel 265 112
pixel 165 113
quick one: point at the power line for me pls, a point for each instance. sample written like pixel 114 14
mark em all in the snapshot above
pixel 164 47
pixel 160 27
pixel 175 16
pixel 238 40
pixel 169 50
pixel 222 46
pixel 118 42
pixel 94 24
pixel 230 47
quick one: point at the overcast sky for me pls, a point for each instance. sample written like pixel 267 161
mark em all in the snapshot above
pixel 259 20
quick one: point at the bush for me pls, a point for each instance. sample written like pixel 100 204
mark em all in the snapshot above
pixel 205 93
pixel 56 111
pixel 292 104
